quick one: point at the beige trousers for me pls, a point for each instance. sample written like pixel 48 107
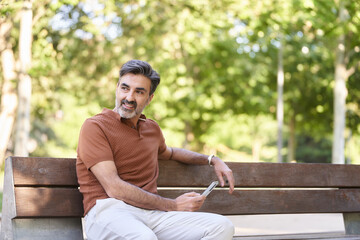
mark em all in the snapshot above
pixel 114 219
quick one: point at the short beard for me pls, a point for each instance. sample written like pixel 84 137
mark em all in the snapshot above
pixel 125 113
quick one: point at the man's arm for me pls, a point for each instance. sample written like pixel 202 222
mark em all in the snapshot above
pixel 190 157
pixel 115 187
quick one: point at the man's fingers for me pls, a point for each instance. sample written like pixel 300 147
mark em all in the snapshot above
pixel 231 181
pixel 192 194
pixel 221 179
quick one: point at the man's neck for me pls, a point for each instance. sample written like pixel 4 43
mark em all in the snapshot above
pixel 135 120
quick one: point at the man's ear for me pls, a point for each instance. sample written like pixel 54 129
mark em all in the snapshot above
pixel 150 98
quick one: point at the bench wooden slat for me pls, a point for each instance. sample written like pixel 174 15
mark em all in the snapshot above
pixel 62 172
pixel 35 171
pixel 48 202
pixel 277 201
pixel 263 175
pixel 68 202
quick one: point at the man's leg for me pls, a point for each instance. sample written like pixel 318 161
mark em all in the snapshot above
pixel 190 226
pixel 112 219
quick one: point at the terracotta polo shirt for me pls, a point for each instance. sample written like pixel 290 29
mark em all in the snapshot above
pixel 106 136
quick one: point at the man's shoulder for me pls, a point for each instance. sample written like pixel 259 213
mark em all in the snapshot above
pixel 105 115
pixel 151 122
pixel 97 120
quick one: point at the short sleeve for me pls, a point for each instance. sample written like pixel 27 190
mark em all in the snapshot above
pixel 162 144
pixel 93 145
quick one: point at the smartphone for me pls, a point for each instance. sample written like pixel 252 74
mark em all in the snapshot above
pixel 210 188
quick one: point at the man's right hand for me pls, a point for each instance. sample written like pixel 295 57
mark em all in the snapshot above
pixel 189 202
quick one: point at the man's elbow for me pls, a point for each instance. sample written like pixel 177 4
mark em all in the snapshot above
pixel 111 190
pixel 111 194
pixel 114 190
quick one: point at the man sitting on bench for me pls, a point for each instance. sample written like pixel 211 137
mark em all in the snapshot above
pixel 117 169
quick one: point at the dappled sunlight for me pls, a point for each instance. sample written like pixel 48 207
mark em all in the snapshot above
pixel 218 63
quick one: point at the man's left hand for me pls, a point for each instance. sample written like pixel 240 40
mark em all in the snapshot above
pixel 222 170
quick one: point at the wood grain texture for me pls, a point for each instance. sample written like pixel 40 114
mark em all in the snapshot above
pixel 48 202
pixel 277 201
pixel 314 175
pixel 37 182
pixel 34 171
pixel 62 172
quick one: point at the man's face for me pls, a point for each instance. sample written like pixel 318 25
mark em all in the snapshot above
pixel 132 95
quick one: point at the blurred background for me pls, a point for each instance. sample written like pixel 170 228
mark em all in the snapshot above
pixel 270 80
pixel 251 81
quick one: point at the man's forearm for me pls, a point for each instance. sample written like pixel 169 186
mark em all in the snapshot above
pixel 189 157
pixel 220 168
pixel 138 197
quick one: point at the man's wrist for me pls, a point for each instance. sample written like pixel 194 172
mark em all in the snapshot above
pixel 173 206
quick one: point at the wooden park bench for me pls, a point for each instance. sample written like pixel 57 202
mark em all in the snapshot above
pixel 41 199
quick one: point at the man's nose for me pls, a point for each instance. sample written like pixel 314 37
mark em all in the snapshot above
pixel 130 96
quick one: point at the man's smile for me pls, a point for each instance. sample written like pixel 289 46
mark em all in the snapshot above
pixel 128 105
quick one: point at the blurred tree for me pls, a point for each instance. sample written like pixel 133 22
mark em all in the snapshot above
pixel 339 20
pixel 15 62
pixel 218 62
pixel 200 86
pixel 8 91
pixel 178 41
pixel 22 129
pixel 342 72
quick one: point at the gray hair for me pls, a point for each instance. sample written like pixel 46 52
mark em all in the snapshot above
pixel 143 68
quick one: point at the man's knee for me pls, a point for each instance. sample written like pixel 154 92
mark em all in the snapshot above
pixel 223 229
pixel 228 226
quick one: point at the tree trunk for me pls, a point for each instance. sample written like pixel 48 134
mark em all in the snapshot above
pixel 340 93
pixel 24 87
pixel 292 140
pixel 348 144
pixel 9 99
pixel 280 103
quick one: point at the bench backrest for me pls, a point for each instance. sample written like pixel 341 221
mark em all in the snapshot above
pixel 41 199
pixel 267 188
pixel 47 188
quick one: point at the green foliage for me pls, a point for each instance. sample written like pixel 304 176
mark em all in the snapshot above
pixel 61 139
pixel 312 150
pixel 218 63
pixel 236 138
